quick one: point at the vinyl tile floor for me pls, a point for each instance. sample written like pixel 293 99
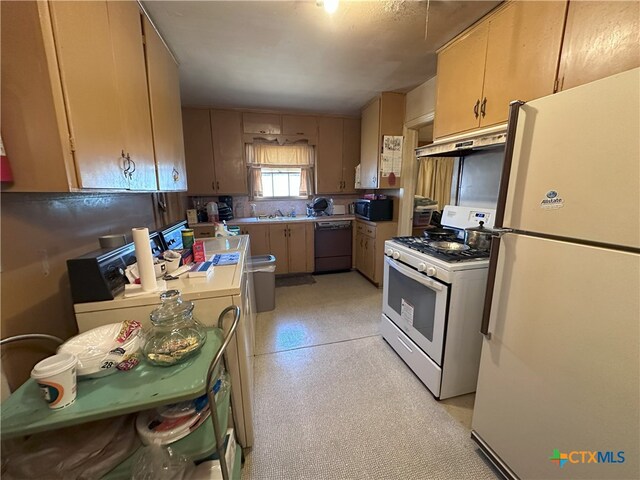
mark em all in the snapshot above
pixel 333 400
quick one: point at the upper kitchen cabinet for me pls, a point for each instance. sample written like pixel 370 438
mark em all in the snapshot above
pixel 166 114
pixel 338 154
pixel 198 151
pixel 303 125
pixel 228 155
pixel 213 149
pixel 264 123
pixel 350 153
pixel 382 116
pixel 601 39
pixel 75 112
pixel 510 55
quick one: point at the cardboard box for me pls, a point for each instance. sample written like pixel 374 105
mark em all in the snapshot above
pixel 199 254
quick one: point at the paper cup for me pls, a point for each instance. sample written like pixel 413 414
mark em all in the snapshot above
pixel 173 260
pixel 56 377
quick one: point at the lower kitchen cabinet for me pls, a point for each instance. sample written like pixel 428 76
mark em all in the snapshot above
pixel 369 248
pixel 259 238
pixel 288 243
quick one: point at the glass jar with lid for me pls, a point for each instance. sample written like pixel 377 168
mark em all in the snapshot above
pixel 175 335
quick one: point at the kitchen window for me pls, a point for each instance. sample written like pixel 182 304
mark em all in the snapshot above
pixel 280 171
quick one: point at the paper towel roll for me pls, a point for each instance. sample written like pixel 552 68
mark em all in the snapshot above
pixel 142 245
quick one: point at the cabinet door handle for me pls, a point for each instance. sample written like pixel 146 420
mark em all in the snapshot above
pixel 176 174
pixel 218 185
pixel 125 164
pixel 133 164
pixel 475 108
pixel 483 108
pixel 213 186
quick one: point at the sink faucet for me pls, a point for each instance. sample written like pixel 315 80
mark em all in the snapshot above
pixel 279 213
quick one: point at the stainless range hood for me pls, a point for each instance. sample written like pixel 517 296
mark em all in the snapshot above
pixel 464 144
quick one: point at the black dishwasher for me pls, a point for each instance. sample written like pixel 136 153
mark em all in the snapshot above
pixel 332 246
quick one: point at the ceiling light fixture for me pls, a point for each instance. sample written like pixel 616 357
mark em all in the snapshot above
pixel 330 6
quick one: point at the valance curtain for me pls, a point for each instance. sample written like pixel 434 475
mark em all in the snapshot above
pixel 272 155
pixel 269 155
pixel 434 179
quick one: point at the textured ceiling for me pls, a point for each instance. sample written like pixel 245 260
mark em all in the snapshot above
pixel 294 56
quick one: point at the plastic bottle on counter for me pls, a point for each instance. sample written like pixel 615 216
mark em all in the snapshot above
pixel 212 212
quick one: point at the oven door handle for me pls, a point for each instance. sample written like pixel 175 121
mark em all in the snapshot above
pixel 411 273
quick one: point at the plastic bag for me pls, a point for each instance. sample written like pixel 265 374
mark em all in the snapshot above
pixel 155 462
pixel 81 452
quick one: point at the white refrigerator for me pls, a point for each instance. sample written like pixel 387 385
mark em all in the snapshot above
pixel 558 388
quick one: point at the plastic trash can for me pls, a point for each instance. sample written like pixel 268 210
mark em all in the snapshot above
pixel 263 268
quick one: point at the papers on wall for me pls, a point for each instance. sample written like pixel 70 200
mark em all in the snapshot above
pixel 391 155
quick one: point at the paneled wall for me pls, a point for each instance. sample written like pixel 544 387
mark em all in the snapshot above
pixel 39 232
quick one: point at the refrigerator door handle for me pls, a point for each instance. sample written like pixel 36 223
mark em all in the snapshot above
pixel 514 110
pixel 491 280
pixel 498 232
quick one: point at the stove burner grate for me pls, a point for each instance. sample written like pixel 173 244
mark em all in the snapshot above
pixel 421 245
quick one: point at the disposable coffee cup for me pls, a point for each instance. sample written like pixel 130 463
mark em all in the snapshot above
pixel 56 377
pixel 173 260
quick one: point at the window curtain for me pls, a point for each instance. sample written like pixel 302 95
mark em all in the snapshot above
pixel 306 182
pixel 434 179
pixel 273 155
pixel 268 155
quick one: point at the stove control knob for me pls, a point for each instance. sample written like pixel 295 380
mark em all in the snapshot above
pixel 388 252
pixel 431 271
pixel 396 255
pixel 422 267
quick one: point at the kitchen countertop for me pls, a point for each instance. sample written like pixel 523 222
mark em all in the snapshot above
pixel 224 281
pixel 254 220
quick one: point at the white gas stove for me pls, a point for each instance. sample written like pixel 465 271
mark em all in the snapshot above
pixel 432 304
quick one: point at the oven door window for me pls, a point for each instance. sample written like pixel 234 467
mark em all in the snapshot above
pixel 417 304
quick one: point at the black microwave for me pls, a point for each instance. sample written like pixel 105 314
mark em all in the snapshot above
pixel 374 210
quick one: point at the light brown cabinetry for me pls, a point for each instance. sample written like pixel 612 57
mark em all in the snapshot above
pixel 369 248
pixel 164 98
pixel 382 116
pixel 601 39
pixel 338 154
pixel 75 97
pixel 265 123
pixel 304 125
pixel 230 171
pixel 350 153
pixel 259 238
pixel 512 54
pixel 213 149
pixel 288 242
pixel 198 150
